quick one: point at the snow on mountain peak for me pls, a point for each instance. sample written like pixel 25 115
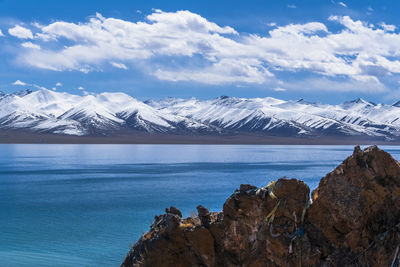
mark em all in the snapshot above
pixel 396 104
pixel 23 93
pixel 359 101
pixel 64 113
pixel 165 102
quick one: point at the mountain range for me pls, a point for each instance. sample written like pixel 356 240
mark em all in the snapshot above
pixel 106 114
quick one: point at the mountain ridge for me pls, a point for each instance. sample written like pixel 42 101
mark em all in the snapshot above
pixel 104 114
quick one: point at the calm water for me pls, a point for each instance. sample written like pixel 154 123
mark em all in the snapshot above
pixel 83 205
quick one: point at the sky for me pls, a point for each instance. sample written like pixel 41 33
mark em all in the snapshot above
pixel 320 50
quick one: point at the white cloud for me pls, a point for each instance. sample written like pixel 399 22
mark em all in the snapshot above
pixel 298 29
pixel 370 9
pixel 58 84
pixel 326 84
pixel 119 65
pixel 182 34
pixel 291 6
pixel 54 88
pixel 183 46
pixel 30 45
pixel 18 82
pixel 21 32
pixel 279 89
pixel 81 88
pixel 224 71
pixel 1 34
pixel 21 83
pixel 39 87
pixel 342 4
pixel 271 24
pixel 37 25
pixel 387 27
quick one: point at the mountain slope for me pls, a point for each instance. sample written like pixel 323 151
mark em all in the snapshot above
pixel 276 116
pixel 108 113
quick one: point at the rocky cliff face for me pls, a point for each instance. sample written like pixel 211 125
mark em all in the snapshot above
pixel 352 219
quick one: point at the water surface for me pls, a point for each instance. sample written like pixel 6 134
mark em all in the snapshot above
pixel 84 205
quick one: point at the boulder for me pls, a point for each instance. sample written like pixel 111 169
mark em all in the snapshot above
pixel 355 211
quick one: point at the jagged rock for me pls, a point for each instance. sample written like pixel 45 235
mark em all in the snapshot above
pixel 247 187
pixel 353 220
pixel 356 210
pixel 204 216
pixel 174 210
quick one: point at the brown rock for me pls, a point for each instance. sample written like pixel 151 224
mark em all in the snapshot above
pixel 354 220
pixel 204 216
pixel 356 208
pixel 174 210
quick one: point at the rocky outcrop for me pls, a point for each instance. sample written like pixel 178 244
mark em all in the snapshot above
pixel 352 219
pixel 355 215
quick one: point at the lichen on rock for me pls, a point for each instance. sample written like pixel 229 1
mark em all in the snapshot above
pixel 352 219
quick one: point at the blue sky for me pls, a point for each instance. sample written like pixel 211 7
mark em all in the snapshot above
pixel 321 50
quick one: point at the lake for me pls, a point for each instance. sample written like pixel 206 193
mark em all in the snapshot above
pixel 84 205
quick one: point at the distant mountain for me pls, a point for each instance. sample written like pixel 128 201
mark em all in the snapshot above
pixel 108 113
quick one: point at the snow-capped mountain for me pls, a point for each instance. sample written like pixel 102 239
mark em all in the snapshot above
pixel 108 113
pixel 63 113
pixel 290 118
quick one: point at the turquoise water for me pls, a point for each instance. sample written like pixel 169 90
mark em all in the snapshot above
pixel 84 205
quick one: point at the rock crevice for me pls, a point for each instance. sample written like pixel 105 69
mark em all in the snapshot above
pixel 352 219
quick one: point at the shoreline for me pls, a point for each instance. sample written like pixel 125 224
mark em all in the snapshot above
pixel 21 137
pixel 133 137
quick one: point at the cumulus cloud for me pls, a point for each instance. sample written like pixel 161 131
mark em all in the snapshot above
pixel 119 65
pixel 183 46
pixel 18 82
pixel 58 84
pixel 81 88
pixel 1 34
pixel 224 71
pixel 21 32
pixel 30 45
